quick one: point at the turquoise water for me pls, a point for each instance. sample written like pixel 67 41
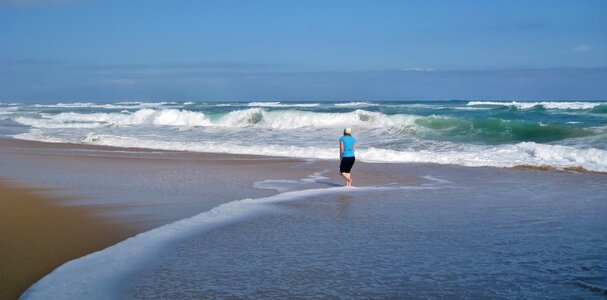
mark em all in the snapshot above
pixel 470 133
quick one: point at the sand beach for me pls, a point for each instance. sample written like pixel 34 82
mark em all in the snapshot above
pixel 77 199
pixel 39 233
pixel 50 217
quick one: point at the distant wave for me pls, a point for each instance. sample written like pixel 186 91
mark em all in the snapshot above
pixel 7 110
pixel 547 104
pixel 453 129
pixel 117 105
pixel 49 123
pixel 355 104
pixel 167 117
pixel 283 119
pixel 280 104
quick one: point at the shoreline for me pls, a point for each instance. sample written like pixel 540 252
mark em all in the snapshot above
pixel 44 224
pixel 481 210
pixel 547 168
pixel 65 227
pixel 219 174
pixel 39 233
pixel 216 155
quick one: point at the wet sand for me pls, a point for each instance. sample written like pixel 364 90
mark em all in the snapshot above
pixel 59 202
pixel 102 195
pixel 39 234
pixel 139 187
pixel 118 192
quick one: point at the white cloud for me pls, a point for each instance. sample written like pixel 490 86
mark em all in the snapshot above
pixel 581 48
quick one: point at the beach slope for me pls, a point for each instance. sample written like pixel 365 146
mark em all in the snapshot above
pixel 39 234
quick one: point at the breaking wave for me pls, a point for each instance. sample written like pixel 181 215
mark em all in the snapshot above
pixel 280 104
pixel 355 104
pixel 165 117
pixel 283 119
pixel 117 105
pixel 508 155
pixel 475 133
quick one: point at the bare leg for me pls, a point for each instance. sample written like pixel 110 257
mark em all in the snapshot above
pixel 347 178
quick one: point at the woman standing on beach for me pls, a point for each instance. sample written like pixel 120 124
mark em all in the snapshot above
pixel 347 146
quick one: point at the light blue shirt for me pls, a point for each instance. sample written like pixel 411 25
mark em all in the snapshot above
pixel 349 142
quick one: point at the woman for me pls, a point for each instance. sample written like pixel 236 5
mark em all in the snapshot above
pixel 347 146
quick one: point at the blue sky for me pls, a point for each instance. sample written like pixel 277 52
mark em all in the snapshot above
pixel 62 50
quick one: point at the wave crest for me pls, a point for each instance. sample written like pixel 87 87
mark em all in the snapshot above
pixel 165 117
pixel 280 104
pixel 355 104
pixel 358 118
pixel 279 119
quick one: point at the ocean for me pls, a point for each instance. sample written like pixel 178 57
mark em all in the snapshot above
pixel 554 134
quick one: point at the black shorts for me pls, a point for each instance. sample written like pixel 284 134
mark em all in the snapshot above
pixel 346 164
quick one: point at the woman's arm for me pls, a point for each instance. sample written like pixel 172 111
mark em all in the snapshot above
pixel 341 149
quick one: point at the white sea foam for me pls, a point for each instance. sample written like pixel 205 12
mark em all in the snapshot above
pixel 566 156
pixel 545 104
pixel 165 117
pixel 358 118
pixel 526 153
pixel 241 118
pixel 97 275
pixel 7 110
pixel 355 104
pixel 280 104
pixel 471 108
pixel 50 123
pixel 305 133
pixel 292 119
pixel 509 155
pixel 118 105
pixel 210 147
pixel 41 136
pixel 282 185
pixel 283 119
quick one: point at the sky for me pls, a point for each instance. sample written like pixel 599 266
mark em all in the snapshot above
pixel 302 50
